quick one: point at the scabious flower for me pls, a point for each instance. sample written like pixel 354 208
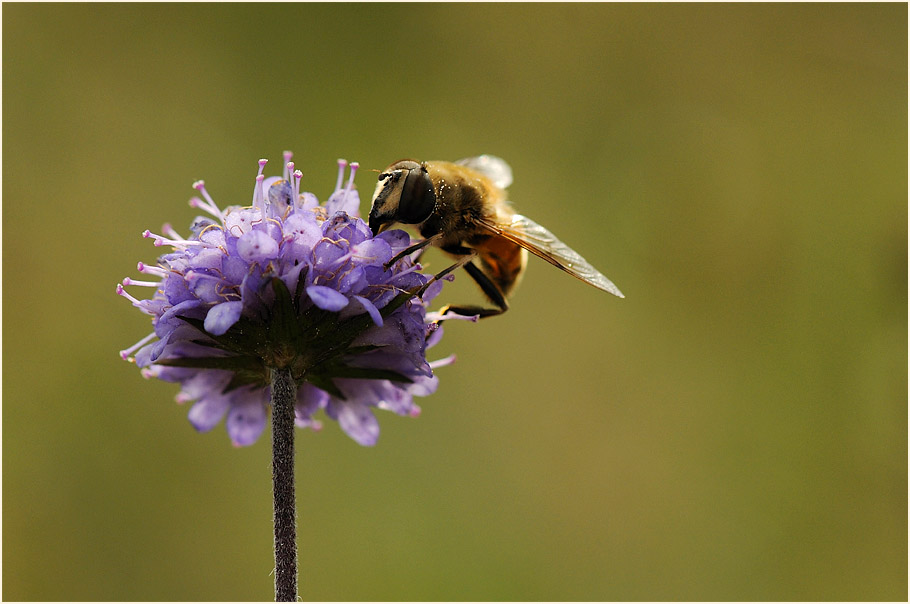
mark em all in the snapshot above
pixel 288 283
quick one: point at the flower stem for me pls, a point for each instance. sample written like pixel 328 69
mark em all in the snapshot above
pixel 284 394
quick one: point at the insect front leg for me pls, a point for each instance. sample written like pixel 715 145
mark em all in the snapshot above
pixel 420 245
pixel 464 260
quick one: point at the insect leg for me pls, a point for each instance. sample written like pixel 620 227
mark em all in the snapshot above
pixel 489 288
pixel 463 261
pixel 413 248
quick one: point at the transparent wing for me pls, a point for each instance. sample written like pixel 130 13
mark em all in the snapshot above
pixel 492 167
pixel 542 243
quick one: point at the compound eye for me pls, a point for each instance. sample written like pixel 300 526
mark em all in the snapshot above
pixel 418 198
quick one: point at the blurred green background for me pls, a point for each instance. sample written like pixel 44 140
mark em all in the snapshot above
pixel 735 429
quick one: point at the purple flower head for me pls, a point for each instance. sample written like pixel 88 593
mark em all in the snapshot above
pixel 288 283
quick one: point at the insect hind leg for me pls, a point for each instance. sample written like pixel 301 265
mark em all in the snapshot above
pixel 489 288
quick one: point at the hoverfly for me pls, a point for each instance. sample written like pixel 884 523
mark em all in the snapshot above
pixel 461 208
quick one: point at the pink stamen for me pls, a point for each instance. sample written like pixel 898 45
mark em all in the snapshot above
pixel 350 185
pixel 298 176
pixel 151 270
pixel 170 232
pixel 443 362
pixel 125 354
pixel 159 241
pixel 342 164
pixel 259 198
pixel 287 158
pixel 199 185
pixel 258 195
pixel 195 202
pixel 134 301
pixel 123 292
pixel 127 282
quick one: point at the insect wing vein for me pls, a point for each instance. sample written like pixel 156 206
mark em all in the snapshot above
pixel 542 243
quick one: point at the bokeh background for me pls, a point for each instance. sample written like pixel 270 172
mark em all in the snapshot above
pixel 735 429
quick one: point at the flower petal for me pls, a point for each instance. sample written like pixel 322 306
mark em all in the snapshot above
pixel 238 221
pixel 396 400
pixel 302 229
pixel 435 334
pixel 328 254
pixel 310 399
pixel 370 308
pixel 222 316
pixel 358 422
pixel 292 276
pixel 351 280
pixel 423 385
pixel 326 298
pixel 398 239
pixel 246 420
pixel 308 201
pixel 257 246
pixel 202 383
pixel 373 251
pixel 207 412
pixel 347 201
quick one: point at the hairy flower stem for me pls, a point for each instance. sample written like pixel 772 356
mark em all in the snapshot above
pixel 284 393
